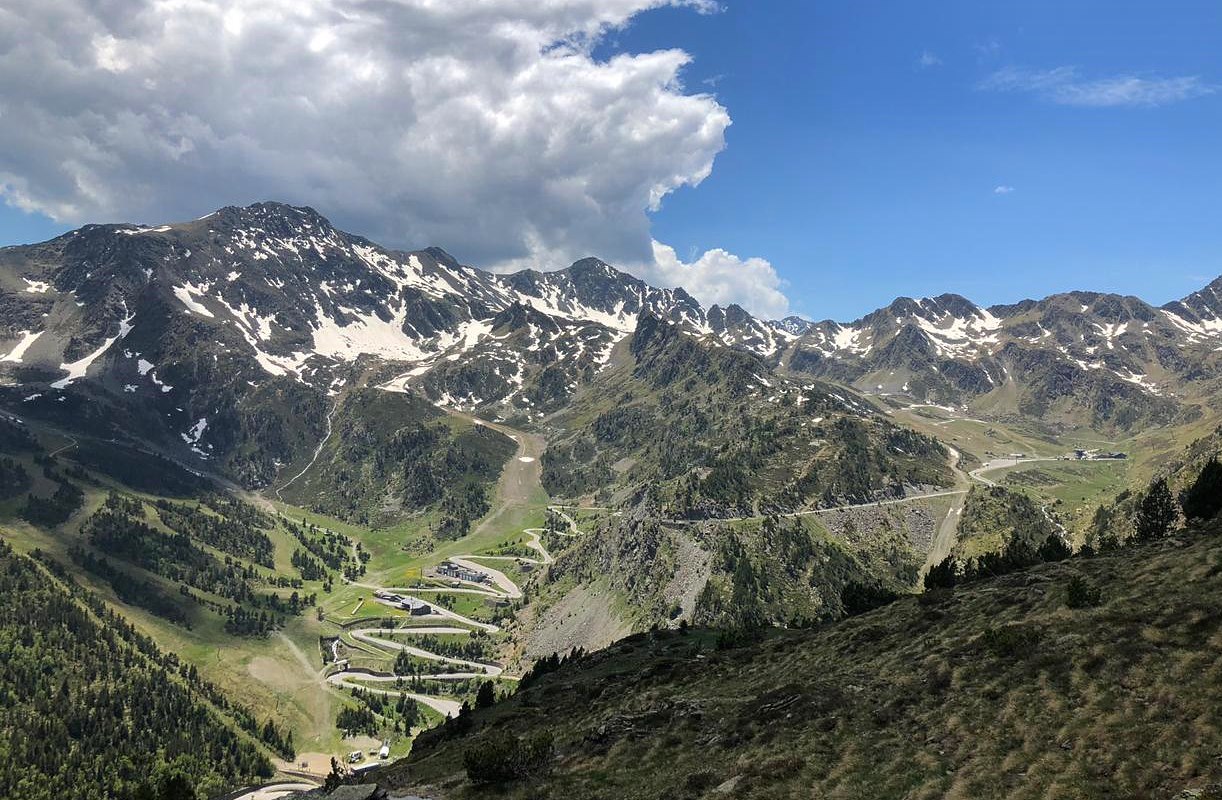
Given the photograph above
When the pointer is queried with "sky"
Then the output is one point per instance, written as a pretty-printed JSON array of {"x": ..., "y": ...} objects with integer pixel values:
[{"x": 818, "y": 158}]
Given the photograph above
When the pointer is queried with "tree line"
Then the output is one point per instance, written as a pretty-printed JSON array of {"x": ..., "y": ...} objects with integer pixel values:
[{"x": 90, "y": 709}]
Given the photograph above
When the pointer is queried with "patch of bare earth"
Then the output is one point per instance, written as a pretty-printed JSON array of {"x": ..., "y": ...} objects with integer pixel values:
[
  {"x": 585, "y": 617},
  {"x": 692, "y": 568}
]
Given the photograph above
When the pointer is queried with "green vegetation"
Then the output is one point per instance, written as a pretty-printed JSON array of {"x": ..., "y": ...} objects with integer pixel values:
[
  {"x": 502, "y": 757},
  {"x": 118, "y": 529},
  {"x": 138, "y": 470},
  {"x": 92, "y": 709},
  {"x": 243, "y": 538},
  {"x": 692, "y": 427},
  {"x": 790, "y": 571},
  {"x": 1178, "y": 475},
  {"x": 1080, "y": 594},
  {"x": 13, "y": 478},
  {"x": 1203, "y": 499},
  {"x": 392, "y": 454},
  {"x": 996, "y": 689},
  {"x": 995, "y": 519},
  {"x": 1156, "y": 512},
  {"x": 1070, "y": 489},
  {"x": 56, "y": 509}
]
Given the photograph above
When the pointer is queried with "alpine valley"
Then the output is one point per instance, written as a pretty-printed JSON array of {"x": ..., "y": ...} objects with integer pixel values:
[{"x": 321, "y": 496}]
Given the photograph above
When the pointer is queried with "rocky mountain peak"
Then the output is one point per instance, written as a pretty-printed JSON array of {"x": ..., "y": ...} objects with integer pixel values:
[{"x": 1200, "y": 313}]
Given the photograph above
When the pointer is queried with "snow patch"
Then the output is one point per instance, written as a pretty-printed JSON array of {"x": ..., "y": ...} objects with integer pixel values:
[
  {"x": 27, "y": 338},
  {"x": 196, "y": 432},
  {"x": 184, "y": 294},
  {"x": 77, "y": 369}
]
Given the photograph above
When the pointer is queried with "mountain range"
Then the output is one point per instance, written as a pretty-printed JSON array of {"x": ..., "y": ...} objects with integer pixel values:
[{"x": 221, "y": 340}]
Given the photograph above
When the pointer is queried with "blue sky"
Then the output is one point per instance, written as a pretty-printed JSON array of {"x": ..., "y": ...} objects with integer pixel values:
[
  {"x": 862, "y": 174},
  {"x": 878, "y": 149}
]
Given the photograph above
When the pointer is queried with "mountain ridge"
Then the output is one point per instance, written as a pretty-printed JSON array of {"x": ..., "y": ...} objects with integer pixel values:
[{"x": 251, "y": 318}]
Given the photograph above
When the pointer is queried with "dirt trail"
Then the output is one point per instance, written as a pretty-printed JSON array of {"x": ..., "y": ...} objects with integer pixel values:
[
  {"x": 521, "y": 478},
  {"x": 946, "y": 537}
]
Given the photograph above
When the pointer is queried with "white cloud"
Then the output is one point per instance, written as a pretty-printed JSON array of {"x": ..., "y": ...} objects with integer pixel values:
[
  {"x": 484, "y": 126},
  {"x": 1064, "y": 85},
  {"x": 722, "y": 278},
  {"x": 928, "y": 59},
  {"x": 1003, "y": 189}
]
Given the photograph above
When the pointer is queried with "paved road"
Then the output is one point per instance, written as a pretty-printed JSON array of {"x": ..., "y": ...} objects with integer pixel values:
[
  {"x": 373, "y": 637},
  {"x": 1002, "y": 463},
  {"x": 449, "y": 708},
  {"x": 812, "y": 511},
  {"x": 891, "y": 502},
  {"x": 508, "y": 587},
  {"x": 516, "y": 488},
  {"x": 275, "y": 790}
]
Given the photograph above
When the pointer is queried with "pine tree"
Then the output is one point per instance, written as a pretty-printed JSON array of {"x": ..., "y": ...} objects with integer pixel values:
[
  {"x": 1156, "y": 513},
  {"x": 1203, "y": 500},
  {"x": 941, "y": 575},
  {"x": 1054, "y": 549},
  {"x": 485, "y": 696}
]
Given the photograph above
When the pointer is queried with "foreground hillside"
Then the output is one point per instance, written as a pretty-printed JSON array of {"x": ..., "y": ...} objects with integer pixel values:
[{"x": 1016, "y": 687}]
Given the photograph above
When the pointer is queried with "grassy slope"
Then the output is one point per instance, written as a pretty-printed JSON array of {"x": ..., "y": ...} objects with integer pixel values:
[
  {"x": 278, "y": 676},
  {"x": 993, "y": 517},
  {"x": 392, "y": 455},
  {"x": 260, "y": 673},
  {"x": 912, "y": 700},
  {"x": 1073, "y": 490}
]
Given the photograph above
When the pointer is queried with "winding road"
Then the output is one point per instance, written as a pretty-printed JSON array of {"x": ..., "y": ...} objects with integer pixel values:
[
  {"x": 1002, "y": 463},
  {"x": 517, "y": 487}
]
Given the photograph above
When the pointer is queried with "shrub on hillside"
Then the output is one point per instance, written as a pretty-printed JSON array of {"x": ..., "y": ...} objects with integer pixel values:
[
  {"x": 13, "y": 478},
  {"x": 858, "y": 598},
  {"x": 942, "y": 575},
  {"x": 1054, "y": 549},
  {"x": 486, "y": 695},
  {"x": 1203, "y": 500},
  {"x": 501, "y": 757},
  {"x": 935, "y": 596},
  {"x": 1080, "y": 594},
  {"x": 1010, "y": 640}
]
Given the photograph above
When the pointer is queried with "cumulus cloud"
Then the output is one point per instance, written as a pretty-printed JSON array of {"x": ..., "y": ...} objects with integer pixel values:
[
  {"x": 722, "y": 278},
  {"x": 1065, "y": 86},
  {"x": 928, "y": 59},
  {"x": 1003, "y": 189},
  {"x": 484, "y": 126}
]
